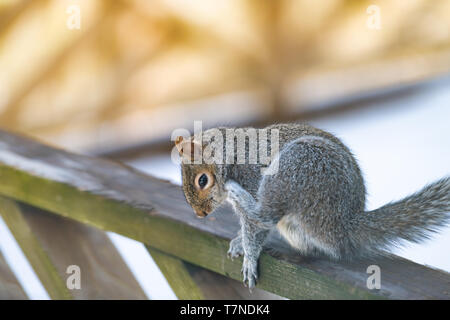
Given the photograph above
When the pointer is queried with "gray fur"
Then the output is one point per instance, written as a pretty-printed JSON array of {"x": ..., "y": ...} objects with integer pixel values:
[{"x": 316, "y": 200}]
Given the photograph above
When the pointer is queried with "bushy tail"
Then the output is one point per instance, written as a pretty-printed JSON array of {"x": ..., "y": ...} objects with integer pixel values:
[{"x": 413, "y": 219}]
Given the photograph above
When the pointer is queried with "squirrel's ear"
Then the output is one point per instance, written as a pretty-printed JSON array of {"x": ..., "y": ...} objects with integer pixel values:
[
  {"x": 188, "y": 148},
  {"x": 178, "y": 142}
]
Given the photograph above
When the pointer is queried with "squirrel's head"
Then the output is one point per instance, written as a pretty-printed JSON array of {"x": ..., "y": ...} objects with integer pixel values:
[{"x": 203, "y": 184}]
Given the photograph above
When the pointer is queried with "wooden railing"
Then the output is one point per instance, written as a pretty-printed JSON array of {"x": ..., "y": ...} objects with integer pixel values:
[{"x": 51, "y": 200}]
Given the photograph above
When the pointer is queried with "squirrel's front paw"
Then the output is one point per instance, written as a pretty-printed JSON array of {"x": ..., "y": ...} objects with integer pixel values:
[
  {"x": 250, "y": 272},
  {"x": 234, "y": 190},
  {"x": 236, "y": 250},
  {"x": 238, "y": 196}
]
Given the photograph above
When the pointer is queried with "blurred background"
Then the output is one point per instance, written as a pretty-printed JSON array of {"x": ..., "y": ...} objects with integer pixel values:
[{"x": 115, "y": 78}]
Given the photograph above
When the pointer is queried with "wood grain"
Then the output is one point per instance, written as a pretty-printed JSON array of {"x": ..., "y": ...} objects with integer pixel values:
[
  {"x": 35, "y": 253},
  {"x": 112, "y": 196},
  {"x": 191, "y": 282},
  {"x": 176, "y": 275},
  {"x": 64, "y": 242},
  {"x": 218, "y": 287}
]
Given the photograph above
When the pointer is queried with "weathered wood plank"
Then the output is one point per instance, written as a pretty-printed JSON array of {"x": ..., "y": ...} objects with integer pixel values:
[
  {"x": 10, "y": 289},
  {"x": 65, "y": 242},
  {"x": 192, "y": 282},
  {"x": 218, "y": 287},
  {"x": 176, "y": 275},
  {"x": 114, "y": 197},
  {"x": 36, "y": 255},
  {"x": 104, "y": 274}
]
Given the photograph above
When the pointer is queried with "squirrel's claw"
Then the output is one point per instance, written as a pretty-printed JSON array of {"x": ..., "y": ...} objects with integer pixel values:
[
  {"x": 250, "y": 273},
  {"x": 232, "y": 255},
  {"x": 235, "y": 250}
]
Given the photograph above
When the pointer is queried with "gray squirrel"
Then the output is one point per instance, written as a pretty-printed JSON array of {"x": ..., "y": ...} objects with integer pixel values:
[{"x": 316, "y": 198}]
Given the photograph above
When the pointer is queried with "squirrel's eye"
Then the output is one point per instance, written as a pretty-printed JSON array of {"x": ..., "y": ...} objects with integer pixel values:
[{"x": 203, "y": 180}]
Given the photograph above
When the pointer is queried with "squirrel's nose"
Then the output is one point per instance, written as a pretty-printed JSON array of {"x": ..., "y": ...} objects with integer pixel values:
[{"x": 200, "y": 214}]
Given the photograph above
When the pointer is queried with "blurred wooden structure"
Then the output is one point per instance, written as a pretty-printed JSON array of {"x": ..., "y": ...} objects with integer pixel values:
[
  {"x": 52, "y": 199},
  {"x": 136, "y": 70}
]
